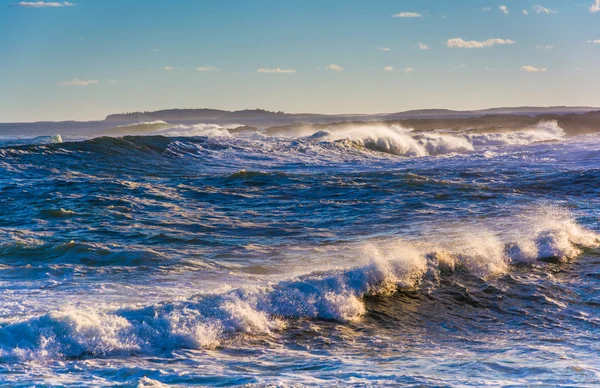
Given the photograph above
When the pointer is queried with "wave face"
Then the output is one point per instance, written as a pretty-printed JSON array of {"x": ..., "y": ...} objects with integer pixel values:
[
  {"x": 337, "y": 294},
  {"x": 404, "y": 142},
  {"x": 182, "y": 254}
]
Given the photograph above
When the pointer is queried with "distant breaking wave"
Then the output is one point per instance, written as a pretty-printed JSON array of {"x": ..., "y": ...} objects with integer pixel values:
[
  {"x": 404, "y": 142},
  {"x": 192, "y": 139},
  {"x": 163, "y": 128},
  {"x": 205, "y": 321}
]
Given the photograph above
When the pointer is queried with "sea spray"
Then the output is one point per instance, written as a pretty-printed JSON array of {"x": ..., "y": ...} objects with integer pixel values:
[
  {"x": 205, "y": 321},
  {"x": 406, "y": 142}
]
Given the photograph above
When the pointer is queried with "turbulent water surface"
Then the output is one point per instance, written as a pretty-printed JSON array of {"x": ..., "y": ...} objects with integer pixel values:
[{"x": 157, "y": 254}]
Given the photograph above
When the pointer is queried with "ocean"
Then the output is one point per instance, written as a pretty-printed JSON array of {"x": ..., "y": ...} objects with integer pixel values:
[{"x": 169, "y": 254}]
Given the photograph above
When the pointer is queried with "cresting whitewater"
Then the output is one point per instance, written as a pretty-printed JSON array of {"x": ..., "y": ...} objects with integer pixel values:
[{"x": 191, "y": 254}]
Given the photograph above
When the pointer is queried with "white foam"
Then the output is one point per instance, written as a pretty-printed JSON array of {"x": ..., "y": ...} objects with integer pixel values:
[
  {"x": 146, "y": 382},
  {"x": 206, "y": 320},
  {"x": 488, "y": 248},
  {"x": 211, "y": 130},
  {"x": 379, "y": 268},
  {"x": 555, "y": 234},
  {"x": 405, "y": 142}
]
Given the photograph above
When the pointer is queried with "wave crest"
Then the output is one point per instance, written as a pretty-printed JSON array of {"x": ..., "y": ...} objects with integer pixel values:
[
  {"x": 400, "y": 141},
  {"x": 334, "y": 294}
]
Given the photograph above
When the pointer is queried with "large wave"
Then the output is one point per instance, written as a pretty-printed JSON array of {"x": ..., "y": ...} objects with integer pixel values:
[
  {"x": 405, "y": 142},
  {"x": 381, "y": 268},
  {"x": 372, "y": 140}
]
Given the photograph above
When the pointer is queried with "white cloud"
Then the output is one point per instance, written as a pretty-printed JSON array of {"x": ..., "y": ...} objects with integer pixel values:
[
  {"x": 461, "y": 66},
  {"x": 275, "y": 70},
  {"x": 335, "y": 68},
  {"x": 486, "y": 9},
  {"x": 525, "y": 12},
  {"x": 532, "y": 69},
  {"x": 79, "y": 82},
  {"x": 407, "y": 15},
  {"x": 596, "y": 41},
  {"x": 595, "y": 7},
  {"x": 423, "y": 46},
  {"x": 208, "y": 68},
  {"x": 383, "y": 48},
  {"x": 459, "y": 43},
  {"x": 168, "y": 68},
  {"x": 408, "y": 70},
  {"x": 504, "y": 8},
  {"x": 540, "y": 9},
  {"x": 545, "y": 47},
  {"x": 155, "y": 50},
  {"x": 112, "y": 81},
  {"x": 388, "y": 68},
  {"x": 42, "y": 4}
]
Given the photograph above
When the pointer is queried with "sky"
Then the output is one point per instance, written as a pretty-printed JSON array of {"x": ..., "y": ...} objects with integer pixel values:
[{"x": 85, "y": 59}]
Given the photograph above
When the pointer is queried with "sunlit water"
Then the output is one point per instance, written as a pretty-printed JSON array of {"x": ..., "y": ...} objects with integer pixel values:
[{"x": 354, "y": 258}]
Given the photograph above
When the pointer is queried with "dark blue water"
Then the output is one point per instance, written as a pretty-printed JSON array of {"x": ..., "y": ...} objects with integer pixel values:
[{"x": 363, "y": 257}]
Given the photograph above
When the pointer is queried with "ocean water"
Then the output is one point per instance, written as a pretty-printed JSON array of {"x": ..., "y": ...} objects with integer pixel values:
[{"x": 166, "y": 255}]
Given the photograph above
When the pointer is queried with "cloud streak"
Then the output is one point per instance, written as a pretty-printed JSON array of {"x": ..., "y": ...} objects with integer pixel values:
[
  {"x": 423, "y": 46},
  {"x": 407, "y": 15},
  {"x": 79, "y": 82},
  {"x": 540, "y": 9},
  {"x": 460, "y": 43},
  {"x": 388, "y": 68},
  {"x": 275, "y": 70},
  {"x": 532, "y": 69},
  {"x": 42, "y": 4},
  {"x": 335, "y": 67},
  {"x": 208, "y": 68}
]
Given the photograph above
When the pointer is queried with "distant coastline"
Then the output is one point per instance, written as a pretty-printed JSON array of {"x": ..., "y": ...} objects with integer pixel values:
[
  {"x": 216, "y": 114},
  {"x": 574, "y": 120}
]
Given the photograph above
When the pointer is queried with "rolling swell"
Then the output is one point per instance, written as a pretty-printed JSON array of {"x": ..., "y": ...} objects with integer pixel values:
[
  {"x": 182, "y": 142},
  {"x": 339, "y": 294},
  {"x": 246, "y": 256},
  {"x": 90, "y": 254},
  {"x": 102, "y": 146}
]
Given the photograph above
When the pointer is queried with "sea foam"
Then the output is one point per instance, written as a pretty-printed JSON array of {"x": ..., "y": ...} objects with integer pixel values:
[
  {"x": 401, "y": 141},
  {"x": 205, "y": 321}
]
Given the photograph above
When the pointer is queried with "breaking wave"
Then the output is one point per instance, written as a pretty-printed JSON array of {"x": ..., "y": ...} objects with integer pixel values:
[
  {"x": 182, "y": 140},
  {"x": 404, "y": 142},
  {"x": 163, "y": 128},
  {"x": 338, "y": 294}
]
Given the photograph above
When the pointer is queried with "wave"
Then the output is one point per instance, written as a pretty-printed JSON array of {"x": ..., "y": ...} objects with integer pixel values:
[
  {"x": 22, "y": 252},
  {"x": 382, "y": 268},
  {"x": 19, "y": 141},
  {"x": 165, "y": 129},
  {"x": 137, "y": 128},
  {"x": 404, "y": 142},
  {"x": 183, "y": 140},
  {"x": 209, "y": 130}
]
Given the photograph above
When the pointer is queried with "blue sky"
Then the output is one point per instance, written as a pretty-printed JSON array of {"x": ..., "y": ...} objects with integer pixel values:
[{"x": 88, "y": 58}]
